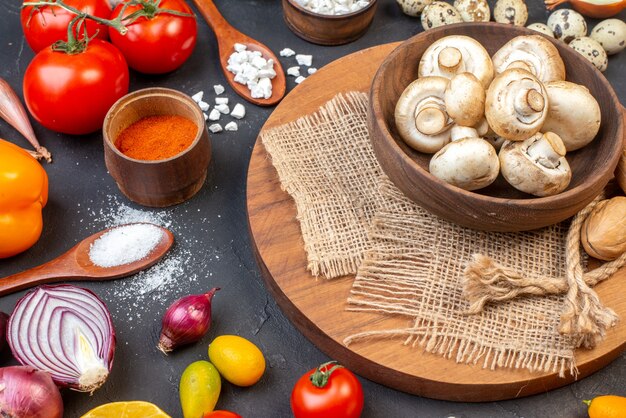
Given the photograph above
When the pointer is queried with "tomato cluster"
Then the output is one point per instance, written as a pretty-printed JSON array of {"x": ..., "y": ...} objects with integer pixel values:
[{"x": 70, "y": 84}]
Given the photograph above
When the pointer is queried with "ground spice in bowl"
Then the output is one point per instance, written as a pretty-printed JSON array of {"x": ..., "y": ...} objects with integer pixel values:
[{"x": 157, "y": 137}]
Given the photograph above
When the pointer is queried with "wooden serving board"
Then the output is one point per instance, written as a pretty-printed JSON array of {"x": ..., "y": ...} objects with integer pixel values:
[{"x": 317, "y": 307}]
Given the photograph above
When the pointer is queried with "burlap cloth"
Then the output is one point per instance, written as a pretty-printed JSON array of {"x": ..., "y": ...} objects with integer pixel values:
[{"x": 409, "y": 262}]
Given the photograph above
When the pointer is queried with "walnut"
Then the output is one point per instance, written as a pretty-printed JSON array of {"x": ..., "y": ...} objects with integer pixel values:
[{"x": 603, "y": 234}]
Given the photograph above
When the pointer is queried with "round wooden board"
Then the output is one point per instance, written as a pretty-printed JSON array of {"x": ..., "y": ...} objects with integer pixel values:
[{"x": 317, "y": 307}]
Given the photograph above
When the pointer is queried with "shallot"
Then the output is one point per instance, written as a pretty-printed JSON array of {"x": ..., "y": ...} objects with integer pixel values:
[
  {"x": 28, "y": 393},
  {"x": 66, "y": 331},
  {"x": 186, "y": 321}
]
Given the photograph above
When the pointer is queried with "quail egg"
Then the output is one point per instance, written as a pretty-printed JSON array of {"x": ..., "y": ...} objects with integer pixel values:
[
  {"x": 513, "y": 12},
  {"x": 541, "y": 28},
  {"x": 439, "y": 13},
  {"x": 473, "y": 10},
  {"x": 611, "y": 34},
  {"x": 413, "y": 7},
  {"x": 567, "y": 24},
  {"x": 592, "y": 50}
]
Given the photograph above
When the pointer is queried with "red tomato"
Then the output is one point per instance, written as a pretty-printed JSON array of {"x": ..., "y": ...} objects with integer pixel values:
[
  {"x": 221, "y": 414},
  {"x": 48, "y": 24},
  {"x": 159, "y": 44},
  {"x": 330, "y": 391},
  {"x": 72, "y": 93}
]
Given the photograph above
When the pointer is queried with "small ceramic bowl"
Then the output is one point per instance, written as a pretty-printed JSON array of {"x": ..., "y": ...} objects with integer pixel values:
[
  {"x": 156, "y": 183},
  {"x": 328, "y": 29},
  {"x": 498, "y": 207}
]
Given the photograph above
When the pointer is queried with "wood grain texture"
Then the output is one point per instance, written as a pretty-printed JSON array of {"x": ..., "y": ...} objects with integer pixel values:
[
  {"x": 328, "y": 29},
  {"x": 76, "y": 265},
  {"x": 157, "y": 183},
  {"x": 317, "y": 307},
  {"x": 498, "y": 207},
  {"x": 227, "y": 36}
]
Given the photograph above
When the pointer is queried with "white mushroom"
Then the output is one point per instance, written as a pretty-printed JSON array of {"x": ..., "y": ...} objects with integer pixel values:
[
  {"x": 457, "y": 54},
  {"x": 468, "y": 162},
  {"x": 532, "y": 53},
  {"x": 439, "y": 13},
  {"x": 413, "y": 7},
  {"x": 537, "y": 165},
  {"x": 573, "y": 114},
  {"x": 473, "y": 10},
  {"x": 421, "y": 117},
  {"x": 592, "y": 50},
  {"x": 567, "y": 24},
  {"x": 512, "y": 12},
  {"x": 516, "y": 105},
  {"x": 541, "y": 28},
  {"x": 465, "y": 99},
  {"x": 611, "y": 34}
]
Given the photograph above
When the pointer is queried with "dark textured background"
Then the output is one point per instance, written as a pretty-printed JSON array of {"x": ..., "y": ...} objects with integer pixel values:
[{"x": 211, "y": 230}]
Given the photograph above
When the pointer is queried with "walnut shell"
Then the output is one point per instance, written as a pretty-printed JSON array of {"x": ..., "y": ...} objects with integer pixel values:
[
  {"x": 603, "y": 233},
  {"x": 620, "y": 173}
]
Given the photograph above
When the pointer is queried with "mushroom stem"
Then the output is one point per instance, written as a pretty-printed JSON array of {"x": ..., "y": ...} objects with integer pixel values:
[
  {"x": 449, "y": 60},
  {"x": 547, "y": 150},
  {"x": 431, "y": 118},
  {"x": 529, "y": 101}
]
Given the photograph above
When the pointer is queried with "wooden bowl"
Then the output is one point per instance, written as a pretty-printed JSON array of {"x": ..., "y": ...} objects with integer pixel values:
[
  {"x": 328, "y": 29},
  {"x": 157, "y": 183},
  {"x": 498, "y": 207}
]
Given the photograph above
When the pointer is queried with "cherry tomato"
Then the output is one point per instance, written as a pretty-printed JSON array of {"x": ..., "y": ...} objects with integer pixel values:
[
  {"x": 158, "y": 44},
  {"x": 45, "y": 25},
  {"x": 221, "y": 414},
  {"x": 330, "y": 391},
  {"x": 72, "y": 93}
]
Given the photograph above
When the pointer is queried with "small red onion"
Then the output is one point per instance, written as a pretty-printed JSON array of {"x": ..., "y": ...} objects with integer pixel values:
[
  {"x": 28, "y": 393},
  {"x": 4, "y": 318},
  {"x": 186, "y": 321},
  {"x": 66, "y": 331}
]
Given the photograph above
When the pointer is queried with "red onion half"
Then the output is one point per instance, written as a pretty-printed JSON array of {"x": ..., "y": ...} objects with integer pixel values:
[
  {"x": 28, "y": 393},
  {"x": 66, "y": 331}
]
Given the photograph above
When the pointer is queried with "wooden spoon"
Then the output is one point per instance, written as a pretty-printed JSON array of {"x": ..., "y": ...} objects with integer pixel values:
[
  {"x": 76, "y": 265},
  {"x": 227, "y": 37}
]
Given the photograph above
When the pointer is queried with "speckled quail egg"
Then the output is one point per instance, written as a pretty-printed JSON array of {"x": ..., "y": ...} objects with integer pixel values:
[
  {"x": 512, "y": 12},
  {"x": 541, "y": 28},
  {"x": 413, "y": 7},
  {"x": 611, "y": 34},
  {"x": 439, "y": 13},
  {"x": 473, "y": 10},
  {"x": 592, "y": 50},
  {"x": 567, "y": 25}
]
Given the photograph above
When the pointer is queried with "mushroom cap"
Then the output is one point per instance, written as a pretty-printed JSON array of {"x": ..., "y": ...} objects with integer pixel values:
[
  {"x": 535, "y": 172},
  {"x": 533, "y": 53},
  {"x": 468, "y": 163},
  {"x": 439, "y": 13},
  {"x": 567, "y": 25},
  {"x": 413, "y": 7},
  {"x": 457, "y": 54},
  {"x": 512, "y": 12},
  {"x": 421, "y": 103},
  {"x": 473, "y": 10},
  {"x": 516, "y": 105},
  {"x": 465, "y": 99},
  {"x": 573, "y": 114},
  {"x": 541, "y": 28},
  {"x": 611, "y": 34},
  {"x": 592, "y": 50}
]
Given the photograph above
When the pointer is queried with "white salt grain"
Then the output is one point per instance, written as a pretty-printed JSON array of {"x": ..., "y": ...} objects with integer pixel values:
[
  {"x": 221, "y": 100},
  {"x": 304, "y": 59},
  {"x": 125, "y": 245},
  {"x": 293, "y": 71},
  {"x": 287, "y": 52},
  {"x": 251, "y": 69},
  {"x": 222, "y": 108},
  {"x": 219, "y": 89},
  {"x": 197, "y": 97},
  {"x": 300, "y": 79},
  {"x": 215, "y": 128},
  {"x": 231, "y": 126},
  {"x": 206, "y": 117},
  {"x": 214, "y": 115},
  {"x": 311, "y": 70},
  {"x": 203, "y": 105},
  {"x": 238, "y": 111}
]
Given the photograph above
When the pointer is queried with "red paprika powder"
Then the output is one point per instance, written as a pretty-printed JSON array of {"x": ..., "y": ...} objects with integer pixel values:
[{"x": 157, "y": 137}]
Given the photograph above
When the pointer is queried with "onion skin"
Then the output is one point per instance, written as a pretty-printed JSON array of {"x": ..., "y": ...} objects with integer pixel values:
[
  {"x": 186, "y": 321},
  {"x": 28, "y": 393},
  {"x": 4, "y": 318}
]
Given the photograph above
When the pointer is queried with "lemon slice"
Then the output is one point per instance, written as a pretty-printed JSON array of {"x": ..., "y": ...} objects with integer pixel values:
[{"x": 134, "y": 409}]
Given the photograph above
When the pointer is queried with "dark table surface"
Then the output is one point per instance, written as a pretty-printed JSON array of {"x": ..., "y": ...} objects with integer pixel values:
[{"x": 213, "y": 246}]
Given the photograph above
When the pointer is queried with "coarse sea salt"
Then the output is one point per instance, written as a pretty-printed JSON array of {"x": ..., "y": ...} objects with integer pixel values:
[
  {"x": 231, "y": 126},
  {"x": 304, "y": 59},
  {"x": 239, "y": 111},
  {"x": 215, "y": 128},
  {"x": 219, "y": 89},
  {"x": 333, "y": 7},
  {"x": 125, "y": 244},
  {"x": 287, "y": 52},
  {"x": 293, "y": 71},
  {"x": 300, "y": 79},
  {"x": 252, "y": 70}
]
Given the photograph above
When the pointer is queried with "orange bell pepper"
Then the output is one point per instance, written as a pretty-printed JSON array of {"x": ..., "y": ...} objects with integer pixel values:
[{"x": 23, "y": 194}]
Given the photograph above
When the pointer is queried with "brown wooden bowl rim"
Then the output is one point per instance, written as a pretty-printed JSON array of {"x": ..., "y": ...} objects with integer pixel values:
[
  {"x": 151, "y": 92},
  {"x": 295, "y": 5},
  {"x": 380, "y": 121}
]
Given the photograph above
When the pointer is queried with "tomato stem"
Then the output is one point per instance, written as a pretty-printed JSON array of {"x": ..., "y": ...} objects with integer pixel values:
[
  {"x": 587, "y": 402},
  {"x": 321, "y": 375}
]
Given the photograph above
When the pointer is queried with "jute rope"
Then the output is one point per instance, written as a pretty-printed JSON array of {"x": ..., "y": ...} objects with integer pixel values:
[{"x": 583, "y": 316}]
